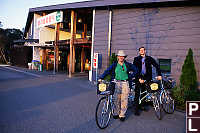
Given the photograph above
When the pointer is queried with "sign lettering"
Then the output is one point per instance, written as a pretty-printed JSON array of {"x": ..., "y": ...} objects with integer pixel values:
[{"x": 49, "y": 19}]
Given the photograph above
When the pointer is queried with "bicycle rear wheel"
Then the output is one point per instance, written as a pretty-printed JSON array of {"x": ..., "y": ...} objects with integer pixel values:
[
  {"x": 157, "y": 106},
  {"x": 167, "y": 102},
  {"x": 103, "y": 113}
]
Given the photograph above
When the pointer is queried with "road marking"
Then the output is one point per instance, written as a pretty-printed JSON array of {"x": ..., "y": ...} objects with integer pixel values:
[{"x": 28, "y": 73}]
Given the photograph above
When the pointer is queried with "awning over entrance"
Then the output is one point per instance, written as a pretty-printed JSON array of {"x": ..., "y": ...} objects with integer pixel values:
[
  {"x": 35, "y": 42},
  {"x": 67, "y": 42},
  {"x": 26, "y": 40}
]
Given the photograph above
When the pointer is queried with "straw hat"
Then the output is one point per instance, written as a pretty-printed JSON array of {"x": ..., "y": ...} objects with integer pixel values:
[{"x": 121, "y": 53}]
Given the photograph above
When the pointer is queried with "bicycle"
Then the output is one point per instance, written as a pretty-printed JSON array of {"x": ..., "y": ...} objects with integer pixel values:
[
  {"x": 106, "y": 106},
  {"x": 151, "y": 93},
  {"x": 166, "y": 100}
]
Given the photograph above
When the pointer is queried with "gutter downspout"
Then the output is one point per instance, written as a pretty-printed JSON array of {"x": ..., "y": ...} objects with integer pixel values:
[
  {"x": 109, "y": 35},
  {"x": 92, "y": 48}
]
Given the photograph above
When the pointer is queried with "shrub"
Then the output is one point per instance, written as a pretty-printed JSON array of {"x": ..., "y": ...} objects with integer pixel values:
[
  {"x": 178, "y": 96},
  {"x": 112, "y": 59},
  {"x": 187, "y": 91}
]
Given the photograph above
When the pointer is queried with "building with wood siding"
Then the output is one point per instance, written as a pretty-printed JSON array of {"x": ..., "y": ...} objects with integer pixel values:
[{"x": 166, "y": 28}]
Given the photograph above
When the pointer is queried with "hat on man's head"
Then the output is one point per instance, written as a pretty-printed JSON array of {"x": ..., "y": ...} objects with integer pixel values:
[{"x": 121, "y": 53}]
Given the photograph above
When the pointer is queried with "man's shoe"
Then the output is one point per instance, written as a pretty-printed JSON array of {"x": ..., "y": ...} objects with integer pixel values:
[
  {"x": 115, "y": 116},
  {"x": 137, "y": 113},
  {"x": 144, "y": 108},
  {"x": 122, "y": 118}
]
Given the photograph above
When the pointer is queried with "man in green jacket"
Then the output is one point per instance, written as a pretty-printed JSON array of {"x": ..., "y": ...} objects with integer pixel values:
[{"x": 123, "y": 72}]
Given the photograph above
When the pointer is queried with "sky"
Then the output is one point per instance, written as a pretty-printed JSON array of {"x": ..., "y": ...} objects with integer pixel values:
[{"x": 14, "y": 13}]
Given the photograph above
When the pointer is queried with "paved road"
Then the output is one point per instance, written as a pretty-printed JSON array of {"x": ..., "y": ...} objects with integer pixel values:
[{"x": 32, "y": 102}]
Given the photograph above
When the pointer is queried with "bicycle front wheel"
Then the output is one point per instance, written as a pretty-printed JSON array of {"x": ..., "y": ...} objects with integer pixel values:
[
  {"x": 157, "y": 106},
  {"x": 167, "y": 102},
  {"x": 103, "y": 113}
]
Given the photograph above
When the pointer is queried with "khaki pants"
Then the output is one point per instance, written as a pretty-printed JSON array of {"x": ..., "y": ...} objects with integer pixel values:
[{"x": 121, "y": 97}]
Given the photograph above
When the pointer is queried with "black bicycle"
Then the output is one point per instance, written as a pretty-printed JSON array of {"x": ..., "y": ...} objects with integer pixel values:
[
  {"x": 152, "y": 94},
  {"x": 166, "y": 100},
  {"x": 156, "y": 91}
]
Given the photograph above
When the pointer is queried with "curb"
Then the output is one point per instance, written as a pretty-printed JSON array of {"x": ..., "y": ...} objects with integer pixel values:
[
  {"x": 22, "y": 71},
  {"x": 181, "y": 111}
]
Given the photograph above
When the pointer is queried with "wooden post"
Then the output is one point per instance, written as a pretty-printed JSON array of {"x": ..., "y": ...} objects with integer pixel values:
[
  {"x": 73, "y": 59},
  {"x": 82, "y": 59},
  {"x": 84, "y": 34},
  {"x": 44, "y": 58},
  {"x": 44, "y": 54},
  {"x": 74, "y": 48},
  {"x": 56, "y": 49},
  {"x": 73, "y": 33}
]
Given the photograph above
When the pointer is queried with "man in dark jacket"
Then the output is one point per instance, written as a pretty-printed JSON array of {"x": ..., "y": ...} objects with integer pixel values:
[
  {"x": 122, "y": 72},
  {"x": 144, "y": 64}
]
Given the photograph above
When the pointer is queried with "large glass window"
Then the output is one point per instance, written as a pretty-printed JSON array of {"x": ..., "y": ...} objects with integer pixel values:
[{"x": 165, "y": 65}]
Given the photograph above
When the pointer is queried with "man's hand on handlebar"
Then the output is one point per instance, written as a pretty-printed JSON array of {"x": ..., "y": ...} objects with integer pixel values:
[
  {"x": 159, "y": 78},
  {"x": 141, "y": 81},
  {"x": 100, "y": 80}
]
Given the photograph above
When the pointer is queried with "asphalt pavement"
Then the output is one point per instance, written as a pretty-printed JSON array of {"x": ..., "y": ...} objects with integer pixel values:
[{"x": 41, "y": 102}]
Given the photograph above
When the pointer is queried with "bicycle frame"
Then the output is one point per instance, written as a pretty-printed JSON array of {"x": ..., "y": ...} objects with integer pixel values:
[
  {"x": 141, "y": 99},
  {"x": 146, "y": 95},
  {"x": 161, "y": 92}
]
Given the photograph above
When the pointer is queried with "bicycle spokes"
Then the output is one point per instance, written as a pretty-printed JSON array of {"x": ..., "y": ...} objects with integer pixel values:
[
  {"x": 157, "y": 107},
  {"x": 103, "y": 113},
  {"x": 167, "y": 102}
]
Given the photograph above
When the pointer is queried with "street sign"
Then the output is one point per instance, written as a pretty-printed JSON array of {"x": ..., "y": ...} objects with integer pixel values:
[
  {"x": 95, "y": 60},
  {"x": 49, "y": 19}
]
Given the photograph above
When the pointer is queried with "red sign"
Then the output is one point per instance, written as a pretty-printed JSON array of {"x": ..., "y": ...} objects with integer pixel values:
[
  {"x": 95, "y": 60},
  {"x": 192, "y": 116}
]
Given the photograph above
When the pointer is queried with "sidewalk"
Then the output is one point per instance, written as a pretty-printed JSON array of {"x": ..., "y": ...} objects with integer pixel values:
[{"x": 42, "y": 73}]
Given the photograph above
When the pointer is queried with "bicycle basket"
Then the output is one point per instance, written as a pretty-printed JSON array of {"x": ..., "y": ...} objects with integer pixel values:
[
  {"x": 103, "y": 87},
  {"x": 152, "y": 86}
]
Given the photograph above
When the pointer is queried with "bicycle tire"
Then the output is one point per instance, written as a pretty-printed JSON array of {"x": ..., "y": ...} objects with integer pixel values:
[
  {"x": 157, "y": 107},
  {"x": 105, "y": 111},
  {"x": 167, "y": 102}
]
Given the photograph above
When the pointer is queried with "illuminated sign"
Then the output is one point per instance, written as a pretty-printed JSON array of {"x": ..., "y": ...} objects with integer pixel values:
[{"x": 49, "y": 19}]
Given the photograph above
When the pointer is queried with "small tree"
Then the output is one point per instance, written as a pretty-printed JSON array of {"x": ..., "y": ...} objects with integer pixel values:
[
  {"x": 187, "y": 91},
  {"x": 188, "y": 79},
  {"x": 1, "y": 25},
  {"x": 113, "y": 58}
]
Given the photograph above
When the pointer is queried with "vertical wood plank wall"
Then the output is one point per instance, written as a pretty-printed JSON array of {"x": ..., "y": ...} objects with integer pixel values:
[
  {"x": 166, "y": 32},
  {"x": 101, "y": 36}
]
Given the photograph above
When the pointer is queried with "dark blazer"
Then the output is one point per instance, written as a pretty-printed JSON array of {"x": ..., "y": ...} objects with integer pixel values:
[
  {"x": 149, "y": 61},
  {"x": 132, "y": 71}
]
